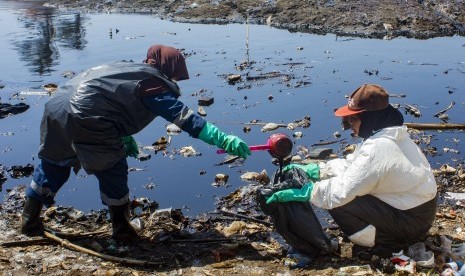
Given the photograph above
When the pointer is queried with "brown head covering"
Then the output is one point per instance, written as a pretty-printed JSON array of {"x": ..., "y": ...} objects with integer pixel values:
[
  {"x": 368, "y": 97},
  {"x": 168, "y": 60}
]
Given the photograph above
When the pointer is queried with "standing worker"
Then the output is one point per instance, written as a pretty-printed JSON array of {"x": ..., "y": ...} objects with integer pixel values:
[
  {"x": 89, "y": 123},
  {"x": 383, "y": 196}
]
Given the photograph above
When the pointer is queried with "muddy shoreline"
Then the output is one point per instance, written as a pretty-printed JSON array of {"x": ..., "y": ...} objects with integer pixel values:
[{"x": 370, "y": 19}]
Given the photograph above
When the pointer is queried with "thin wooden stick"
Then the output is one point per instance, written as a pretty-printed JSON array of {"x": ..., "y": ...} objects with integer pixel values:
[
  {"x": 327, "y": 143},
  {"x": 26, "y": 242},
  {"x": 71, "y": 245},
  {"x": 76, "y": 235},
  {"x": 201, "y": 240},
  {"x": 266, "y": 223},
  {"x": 433, "y": 126}
]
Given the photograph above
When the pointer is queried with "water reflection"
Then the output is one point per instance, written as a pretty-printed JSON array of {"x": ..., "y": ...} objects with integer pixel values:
[{"x": 48, "y": 31}]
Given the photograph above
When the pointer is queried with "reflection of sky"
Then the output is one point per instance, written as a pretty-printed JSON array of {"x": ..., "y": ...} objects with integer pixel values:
[
  {"x": 334, "y": 67},
  {"x": 45, "y": 33}
]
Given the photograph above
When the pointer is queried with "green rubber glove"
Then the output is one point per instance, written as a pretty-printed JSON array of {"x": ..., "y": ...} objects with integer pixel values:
[
  {"x": 131, "y": 146},
  {"x": 303, "y": 194},
  {"x": 312, "y": 170},
  {"x": 210, "y": 134}
]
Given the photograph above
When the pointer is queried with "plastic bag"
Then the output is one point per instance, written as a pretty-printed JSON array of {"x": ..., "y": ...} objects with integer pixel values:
[{"x": 296, "y": 222}]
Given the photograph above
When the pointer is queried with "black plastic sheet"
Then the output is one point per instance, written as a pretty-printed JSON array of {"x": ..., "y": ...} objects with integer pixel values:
[{"x": 296, "y": 222}]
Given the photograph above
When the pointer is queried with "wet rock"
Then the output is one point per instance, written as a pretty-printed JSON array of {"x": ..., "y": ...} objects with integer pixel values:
[{"x": 206, "y": 101}]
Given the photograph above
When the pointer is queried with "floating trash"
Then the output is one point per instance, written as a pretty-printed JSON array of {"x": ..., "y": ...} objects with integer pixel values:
[
  {"x": 201, "y": 111},
  {"x": 444, "y": 117},
  {"x": 233, "y": 78},
  {"x": 412, "y": 110},
  {"x": 143, "y": 157},
  {"x": 160, "y": 144},
  {"x": 298, "y": 134},
  {"x": 269, "y": 127},
  {"x": 304, "y": 123},
  {"x": 50, "y": 87},
  {"x": 34, "y": 93},
  {"x": 172, "y": 128},
  {"x": 451, "y": 150},
  {"x": 220, "y": 180},
  {"x": 68, "y": 74},
  {"x": 261, "y": 177},
  {"x": 149, "y": 186},
  {"x": 188, "y": 151}
]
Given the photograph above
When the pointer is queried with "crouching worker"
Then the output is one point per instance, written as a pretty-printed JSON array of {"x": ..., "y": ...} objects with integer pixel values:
[
  {"x": 89, "y": 123},
  {"x": 383, "y": 196}
]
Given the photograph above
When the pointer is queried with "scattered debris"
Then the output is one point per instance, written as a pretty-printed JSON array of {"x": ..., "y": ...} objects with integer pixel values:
[
  {"x": 220, "y": 180},
  {"x": 12, "y": 109},
  {"x": 21, "y": 171},
  {"x": 412, "y": 110}
]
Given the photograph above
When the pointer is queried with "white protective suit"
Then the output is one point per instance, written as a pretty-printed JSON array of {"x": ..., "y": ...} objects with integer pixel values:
[{"x": 387, "y": 165}]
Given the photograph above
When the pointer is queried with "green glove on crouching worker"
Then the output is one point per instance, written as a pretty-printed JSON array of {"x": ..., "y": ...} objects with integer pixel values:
[
  {"x": 303, "y": 194},
  {"x": 312, "y": 170},
  {"x": 131, "y": 146},
  {"x": 210, "y": 134}
]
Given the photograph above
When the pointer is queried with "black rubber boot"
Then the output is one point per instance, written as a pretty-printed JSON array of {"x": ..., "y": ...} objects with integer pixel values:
[
  {"x": 31, "y": 224},
  {"x": 122, "y": 229}
]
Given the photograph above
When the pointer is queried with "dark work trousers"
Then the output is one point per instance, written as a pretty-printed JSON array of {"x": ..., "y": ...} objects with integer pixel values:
[
  {"x": 394, "y": 228},
  {"x": 48, "y": 178}
]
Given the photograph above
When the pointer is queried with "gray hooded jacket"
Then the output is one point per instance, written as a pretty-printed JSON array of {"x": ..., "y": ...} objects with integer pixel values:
[{"x": 86, "y": 118}]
